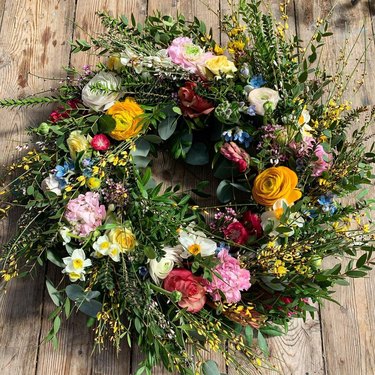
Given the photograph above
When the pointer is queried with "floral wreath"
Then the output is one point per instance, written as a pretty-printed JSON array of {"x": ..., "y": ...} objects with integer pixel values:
[{"x": 138, "y": 256}]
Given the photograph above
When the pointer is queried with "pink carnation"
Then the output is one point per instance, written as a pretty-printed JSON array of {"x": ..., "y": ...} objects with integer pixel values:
[
  {"x": 188, "y": 55},
  {"x": 233, "y": 279},
  {"x": 323, "y": 163},
  {"x": 84, "y": 213}
]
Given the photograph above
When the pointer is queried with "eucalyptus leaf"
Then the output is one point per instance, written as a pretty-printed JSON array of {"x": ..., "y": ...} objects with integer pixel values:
[
  {"x": 224, "y": 191},
  {"x": 167, "y": 127},
  {"x": 75, "y": 292},
  {"x": 198, "y": 154},
  {"x": 90, "y": 308},
  {"x": 210, "y": 368}
]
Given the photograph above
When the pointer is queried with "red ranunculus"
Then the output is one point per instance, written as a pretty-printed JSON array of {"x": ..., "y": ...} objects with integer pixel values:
[
  {"x": 252, "y": 223},
  {"x": 236, "y": 232},
  {"x": 192, "y": 104},
  {"x": 190, "y": 286},
  {"x": 100, "y": 142}
]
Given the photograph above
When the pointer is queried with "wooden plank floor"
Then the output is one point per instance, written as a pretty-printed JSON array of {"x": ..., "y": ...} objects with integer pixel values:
[{"x": 33, "y": 41}]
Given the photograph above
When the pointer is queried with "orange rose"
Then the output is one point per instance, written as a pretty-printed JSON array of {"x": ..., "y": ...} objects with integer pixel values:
[
  {"x": 276, "y": 183},
  {"x": 127, "y": 117}
]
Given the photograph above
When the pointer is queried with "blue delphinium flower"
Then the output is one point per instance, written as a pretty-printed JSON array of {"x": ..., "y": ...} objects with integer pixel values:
[
  {"x": 251, "y": 110},
  {"x": 222, "y": 246},
  {"x": 257, "y": 81},
  {"x": 327, "y": 203},
  {"x": 143, "y": 271},
  {"x": 238, "y": 135},
  {"x": 87, "y": 164},
  {"x": 63, "y": 172}
]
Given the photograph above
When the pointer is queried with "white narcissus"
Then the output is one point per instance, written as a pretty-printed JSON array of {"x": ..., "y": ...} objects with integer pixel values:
[
  {"x": 196, "y": 242},
  {"x": 104, "y": 247},
  {"x": 101, "y": 91},
  {"x": 51, "y": 183},
  {"x": 76, "y": 264},
  {"x": 261, "y": 96},
  {"x": 159, "y": 270}
]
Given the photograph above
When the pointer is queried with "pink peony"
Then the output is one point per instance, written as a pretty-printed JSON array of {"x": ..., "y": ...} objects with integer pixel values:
[
  {"x": 188, "y": 55},
  {"x": 100, "y": 142},
  {"x": 232, "y": 279},
  {"x": 323, "y": 163},
  {"x": 84, "y": 213}
]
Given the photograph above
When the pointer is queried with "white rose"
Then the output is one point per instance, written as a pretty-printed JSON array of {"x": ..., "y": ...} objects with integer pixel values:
[
  {"x": 51, "y": 183},
  {"x": 160, "y": 270},
  {"x": 101, "y": 100},
  {"x": 259, "y": 97}
]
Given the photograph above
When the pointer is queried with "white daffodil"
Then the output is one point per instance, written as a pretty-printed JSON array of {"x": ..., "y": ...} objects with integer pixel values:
[
  {"x": 65, "y": 235},
  {"x": 262, "y": 96},
  {"x": 76, "y": 264},
  {"x": 101, "y": 246},
  {"x": 51, "y": 183},
  {"x": 303, "y": 122},
  {"x": 114, "y": 252},
  {"x": 195, "y": 242},
  {"x": 159, "y": 270},
  {"x": 273, "y": 217}
]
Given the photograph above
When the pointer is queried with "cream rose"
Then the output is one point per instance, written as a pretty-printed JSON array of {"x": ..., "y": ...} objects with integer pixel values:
[
  {"x": 259, "y": 97},
  {"x": 77, "y": 142},
  {"x": 101, "y": 91}
]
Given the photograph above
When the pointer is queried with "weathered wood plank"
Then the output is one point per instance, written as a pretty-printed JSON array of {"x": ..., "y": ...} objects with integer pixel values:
[
  {"x": 348, "y": 330},
  {"x": 32, "y": 40}
]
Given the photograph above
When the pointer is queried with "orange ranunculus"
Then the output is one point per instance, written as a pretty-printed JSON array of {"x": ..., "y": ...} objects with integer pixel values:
[
  {"x": 127, "y": 117},
  {"x": 276, "y": 183}
]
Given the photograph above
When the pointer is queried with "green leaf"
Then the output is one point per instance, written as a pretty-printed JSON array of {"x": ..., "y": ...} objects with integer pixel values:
[
  {"x": 249, "y": 334},
  {"x": 53, "y": 258},
  {"x": 56, "y": 324},
  {"x": 361, "y": 261},
  {"x": 262, "y": 343},
  {"x": 149, "y": 252},
  {"x": 356, "y": 274},
  {"x": 30, "y": 190},
  {"x": 198, "y": 154},
  {"x": 142, "y": 148},
  {"x": 167, "y": 127},
  {"x": 106, "y": 124},
  {"x": 75, "y": 292},
  {"x": 53, "y": 293},
  {"x": 224, "y": 191},
  {"x": 210, "y": 368},
  {"x": 90, "y": 308}
]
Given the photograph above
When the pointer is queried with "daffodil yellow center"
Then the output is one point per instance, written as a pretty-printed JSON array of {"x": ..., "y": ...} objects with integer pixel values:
[
  {"x": 104, "y": 245},
  {"x": 77, "y": 263},
  {"x": 194, "y": 249}
]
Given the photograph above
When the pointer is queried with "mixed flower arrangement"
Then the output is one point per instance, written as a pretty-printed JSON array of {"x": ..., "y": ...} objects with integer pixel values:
[{"x": 143, "y": 260}]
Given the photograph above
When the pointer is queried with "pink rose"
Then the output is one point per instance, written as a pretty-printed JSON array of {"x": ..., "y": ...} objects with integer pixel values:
[
  {"x": 252, "y": 223},
  {"x": 190, "y": 286},
  {"x": 323, "y": 163},
  {"x": 192, "y": 104},
  {"x": 232, "y": 279},
  {"x": 236, "y": 232}
]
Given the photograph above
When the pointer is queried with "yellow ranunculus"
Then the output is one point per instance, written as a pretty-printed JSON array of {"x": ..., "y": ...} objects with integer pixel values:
[
  {"x": 276, "y": 183},
  {"x": 127, "y": 117},
  {"x": 123, "y": 237},
  {"x": 220, "y": 65},
  {"x": 77, "y": 142}
]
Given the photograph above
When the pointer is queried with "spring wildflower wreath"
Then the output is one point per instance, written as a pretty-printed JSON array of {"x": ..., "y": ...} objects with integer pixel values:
[{"x": 143, "y": 260}]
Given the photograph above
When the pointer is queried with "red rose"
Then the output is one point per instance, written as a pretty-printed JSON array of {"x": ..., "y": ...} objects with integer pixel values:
[
  {"x": 61, "y": 112},
  {"x": 236, "y": 232},
  {"x": 192, "y": 104},
  {"x": 252, "y": 223},
  {"x": 100, "y": 142},
  {"x": 190, "y": 286}
]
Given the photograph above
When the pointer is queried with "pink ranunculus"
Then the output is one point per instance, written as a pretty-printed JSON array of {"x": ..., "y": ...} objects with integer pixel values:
[
  {"x": 236, "y": 232},
  {"x": 233, "y": 279},
  {"x": 85, "y": 213},
  {"x": 188, "y": 55},
  {"x": 323, "y": 162},
  {"x": 252, "y": 223},
  {"x": 100, "y": 142},
  {"x": 236, "y": 154},
  {"x": 190, "y": 286}
]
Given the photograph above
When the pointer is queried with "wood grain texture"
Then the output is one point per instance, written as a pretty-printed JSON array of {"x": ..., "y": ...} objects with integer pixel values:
[
  {"x": 33, "y": 40},
  {"x": 348, "y": 330}
]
